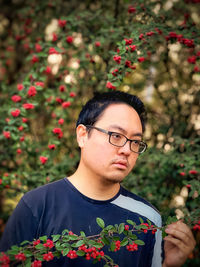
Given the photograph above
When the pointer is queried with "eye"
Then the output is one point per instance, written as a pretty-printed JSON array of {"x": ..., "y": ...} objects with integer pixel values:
[
  {"x": 116, "y": 136},
  {"x": 136, "y": 142}
]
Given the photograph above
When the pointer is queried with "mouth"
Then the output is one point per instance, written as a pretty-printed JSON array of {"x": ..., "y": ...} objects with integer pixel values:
[{"x": 121, "y": 164}]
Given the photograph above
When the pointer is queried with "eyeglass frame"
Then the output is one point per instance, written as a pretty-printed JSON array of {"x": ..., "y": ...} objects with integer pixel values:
[{"x": 110, "y": 134}]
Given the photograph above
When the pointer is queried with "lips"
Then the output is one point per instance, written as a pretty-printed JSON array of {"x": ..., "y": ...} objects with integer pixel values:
[{"x": 122, "y": 164}]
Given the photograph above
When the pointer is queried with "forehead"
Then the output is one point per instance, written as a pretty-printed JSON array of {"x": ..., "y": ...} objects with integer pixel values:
[{"x": 122, "y": 115}]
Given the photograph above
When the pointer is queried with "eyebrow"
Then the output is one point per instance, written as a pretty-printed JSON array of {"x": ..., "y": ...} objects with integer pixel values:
[{"x": 123, "y": 130}]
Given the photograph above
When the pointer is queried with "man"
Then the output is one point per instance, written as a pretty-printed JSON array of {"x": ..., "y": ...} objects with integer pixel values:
[{"x": 109, "y": 133}]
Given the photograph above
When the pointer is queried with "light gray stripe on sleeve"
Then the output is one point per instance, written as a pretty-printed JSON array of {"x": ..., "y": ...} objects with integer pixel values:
[
  {"x": 148, "y": 212},
  {"x": 157, "y": 258},
  {"x": 138, "y": 207}
]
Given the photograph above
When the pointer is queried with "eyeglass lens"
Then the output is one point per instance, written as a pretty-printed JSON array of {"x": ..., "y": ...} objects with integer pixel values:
[{"x": 120, "y": 140}]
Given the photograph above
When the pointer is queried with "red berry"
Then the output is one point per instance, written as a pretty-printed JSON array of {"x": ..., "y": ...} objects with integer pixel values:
[{"x": 126, "y": 227}]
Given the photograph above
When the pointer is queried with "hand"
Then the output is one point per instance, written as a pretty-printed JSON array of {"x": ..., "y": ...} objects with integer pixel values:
[{"x": 179, "y": 243}]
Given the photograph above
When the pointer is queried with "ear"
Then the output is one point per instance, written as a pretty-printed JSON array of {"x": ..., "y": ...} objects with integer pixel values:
[{"x": 81, "y": 135}]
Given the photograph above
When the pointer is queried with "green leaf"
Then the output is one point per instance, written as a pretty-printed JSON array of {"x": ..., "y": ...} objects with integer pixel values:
[
  {"x": 11, "y": 122},
  {"x": 28, "y": 263},
  {"x": 65, "y": 245},
  {"x": 39, "y": 257},
  {"x": 143, "y": 226},
  {"x": 14, "y": 136},
  {"x": 57, "y": 254},
  {"x": 112, "y": 246},
  {"x": 91, "y": 242},
  {"x": 171, "y": 219},
  {"x": 55, "y": 237},
  {"x": 132, "y": 236},
  {"x": 65, "y": 232},
  {"x": 139, "y": 242},
  {"x": 58, "y": 246},
  {"x": 100, "y": 222},
  {"x": 141, "y": 220},
  {"x": 65, "y": 251},
  {"x": 117, "y": 83},
  {"x": 28, "y": 253},
  {"x": 105, "y": 240},
  {"x": 109, "y": 227},
  {"x": 149, "y": 222},
  {"x": 98, "y": 245},
  {"x": 42, "y": 54},
  {"x": 15, "y": 247},
  {"x": 131, "y": 222},
  {"x": 43, "y": 238},
  {"x": 128, "y": 70},
  {"x": 39, "y": 246},
  {"x": 79, "y": 243},
  {"x": 13, "y": 252},
  {"x": 82, "y": 233},
  {"x": 164, "y": 234},
  {"x": 109, "y": 258},
  {"x": 39, "y": 88},
  {"x": 124, "y": 242},
  {"x": 121, "y": 228},
  {"x": 122, "y": 51},
  {"x": 25, "y": 242},
  {"x": 80, "y": 253},
  {"x": 66, "y": 238},
  {"x": 73, "y": 237}
]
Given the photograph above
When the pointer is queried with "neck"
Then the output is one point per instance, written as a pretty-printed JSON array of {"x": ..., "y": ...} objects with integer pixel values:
[{"x": 93, "y": 186}]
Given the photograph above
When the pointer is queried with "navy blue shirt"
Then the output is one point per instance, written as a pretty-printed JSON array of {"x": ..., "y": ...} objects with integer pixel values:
[{"x": 54, "y": 207}]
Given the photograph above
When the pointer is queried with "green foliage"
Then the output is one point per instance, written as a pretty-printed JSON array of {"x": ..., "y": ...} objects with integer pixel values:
[
  {"x": 159, "y": 52},
  {"x": 160, "y": 176},
  {"x": 80, "y": 246}
]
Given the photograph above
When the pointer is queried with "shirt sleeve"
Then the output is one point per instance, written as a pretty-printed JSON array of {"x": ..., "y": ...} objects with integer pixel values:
[
  {"x": 157, "y": 255},
  {"x": 21, "y": 226}
]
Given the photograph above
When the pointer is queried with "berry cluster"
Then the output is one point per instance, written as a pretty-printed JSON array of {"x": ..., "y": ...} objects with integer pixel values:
[
  {"x": 126, "y": 227},
  {"x": 49, "y": 244},
  {"x": 4, "y": 260},
  {"x": 48, "y": 256},
  {"x": 196, "y": 227},
  {"x": 20, "y": 256},
  {"x": 117, "y": 245},
  {"x": 36, "y": 242},
  {"x": 132, "y": 247},
  {"x": 148, "y": 227},
  {"x": 91, "y": 252},
  {"x": 72, "y": 254},
  {"x": 36, "y": 264}
]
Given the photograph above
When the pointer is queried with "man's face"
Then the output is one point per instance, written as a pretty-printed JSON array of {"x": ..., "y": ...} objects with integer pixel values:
[{"x": 101, "y": 159}]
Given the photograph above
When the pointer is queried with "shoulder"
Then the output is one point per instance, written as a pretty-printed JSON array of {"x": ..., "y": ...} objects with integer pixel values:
[
  {"x": 44, "y": 195},
  {"x": 137, "y": 204},
  {"x": 137, "y": 198},
  {"x": 46, "y": 189}
]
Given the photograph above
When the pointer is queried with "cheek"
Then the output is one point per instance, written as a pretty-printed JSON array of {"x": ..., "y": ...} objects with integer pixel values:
[
  {"x": 133, "y": 160},
  {"x": 101, "y": 154}
]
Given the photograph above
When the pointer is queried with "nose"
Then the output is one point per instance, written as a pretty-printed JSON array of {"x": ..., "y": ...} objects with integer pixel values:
[{"x": 126, "y": 150}]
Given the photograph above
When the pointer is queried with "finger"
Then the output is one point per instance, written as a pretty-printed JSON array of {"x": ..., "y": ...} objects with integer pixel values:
[
  {"x": 178, "y": 243},
  {"x": 182, "y": 231},
  {"x": 179, "y": 225},
  {"x": 185, "y": 238}
]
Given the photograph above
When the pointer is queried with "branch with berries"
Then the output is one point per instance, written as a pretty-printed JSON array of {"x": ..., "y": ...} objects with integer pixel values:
[{"x": 72, "y": 246}]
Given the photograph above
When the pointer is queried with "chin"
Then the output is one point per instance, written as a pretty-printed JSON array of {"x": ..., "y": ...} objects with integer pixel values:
[{"x": 114, "y": 179}]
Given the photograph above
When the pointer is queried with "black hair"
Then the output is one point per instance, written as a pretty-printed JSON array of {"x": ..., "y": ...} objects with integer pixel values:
[{"x": 94, "y": 108}]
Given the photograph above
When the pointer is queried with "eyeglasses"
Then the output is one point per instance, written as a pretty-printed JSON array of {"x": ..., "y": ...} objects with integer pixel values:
[{"x": 119, "y": 140}]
